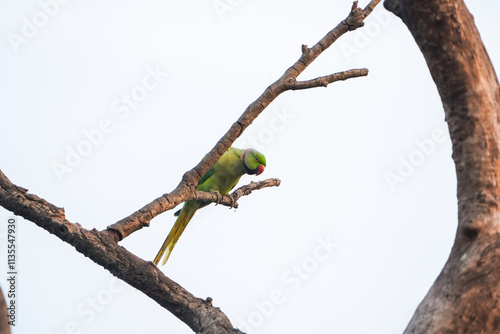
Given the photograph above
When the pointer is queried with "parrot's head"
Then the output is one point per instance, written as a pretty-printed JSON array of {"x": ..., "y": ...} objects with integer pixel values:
[{"x": 254, "y": 161}]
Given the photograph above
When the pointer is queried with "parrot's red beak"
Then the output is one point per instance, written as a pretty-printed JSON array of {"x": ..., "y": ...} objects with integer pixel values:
[{"x": 260, "y": 169}]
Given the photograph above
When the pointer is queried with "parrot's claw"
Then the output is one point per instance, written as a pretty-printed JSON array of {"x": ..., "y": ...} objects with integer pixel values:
[
  {"x": 233, "y": 202},
  {"x": 219, "y": 197}
]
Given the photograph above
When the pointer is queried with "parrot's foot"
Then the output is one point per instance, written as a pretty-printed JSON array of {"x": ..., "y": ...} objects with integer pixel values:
[
  {"x": 233, "y": 202},
  {"x": 219, "y": 196}
]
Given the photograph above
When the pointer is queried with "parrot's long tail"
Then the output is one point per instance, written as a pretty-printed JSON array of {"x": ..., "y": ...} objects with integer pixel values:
[{"x": 185, "y": 216}]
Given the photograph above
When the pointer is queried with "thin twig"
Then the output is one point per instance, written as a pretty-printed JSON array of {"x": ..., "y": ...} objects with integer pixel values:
[
  {"x": 328, "y": 79},
  {"x": 232, "y": 199}
]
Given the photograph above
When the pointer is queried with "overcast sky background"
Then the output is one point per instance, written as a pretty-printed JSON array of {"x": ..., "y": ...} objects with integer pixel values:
[{"x": 349, "y": 243}]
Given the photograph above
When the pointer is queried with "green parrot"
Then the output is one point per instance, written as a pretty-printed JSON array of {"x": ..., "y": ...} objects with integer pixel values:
[{"x": 222, "y": 177}]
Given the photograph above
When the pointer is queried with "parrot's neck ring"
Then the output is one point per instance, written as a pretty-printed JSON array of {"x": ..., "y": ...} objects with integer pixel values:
[
  {"x": 243, "y": 156},
  {"x": 249, "y": 171}
]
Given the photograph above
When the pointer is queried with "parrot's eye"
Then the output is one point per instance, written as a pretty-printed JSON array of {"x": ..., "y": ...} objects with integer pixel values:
[{"x": 256, "y": 159}]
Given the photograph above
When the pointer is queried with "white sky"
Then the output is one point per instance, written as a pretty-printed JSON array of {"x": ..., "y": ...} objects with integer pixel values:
[{"x": 332, "y": 148}]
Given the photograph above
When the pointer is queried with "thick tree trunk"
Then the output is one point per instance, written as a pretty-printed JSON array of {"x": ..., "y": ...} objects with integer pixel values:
[{"x": 466, "y": 296}]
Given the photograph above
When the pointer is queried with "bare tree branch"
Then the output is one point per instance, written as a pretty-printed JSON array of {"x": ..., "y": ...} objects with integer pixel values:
[
  {"x": 288, "y": 81},
  {"x": 328, "y": 79},
  {"x": 247, "y": 190},
  {"x": 231, "y": 200}
]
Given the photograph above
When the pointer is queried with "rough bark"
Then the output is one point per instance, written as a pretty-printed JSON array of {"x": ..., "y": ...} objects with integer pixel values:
[{"x": 465, "y": 298}]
